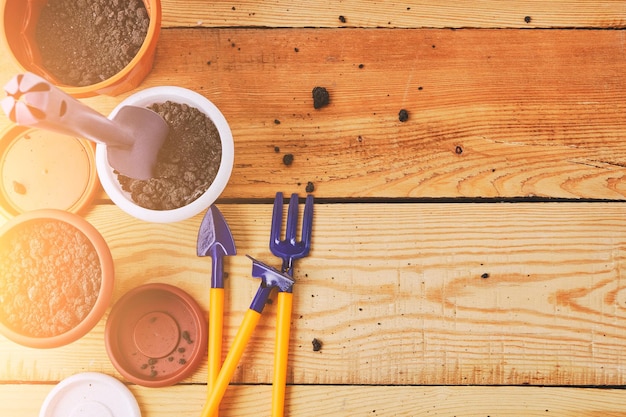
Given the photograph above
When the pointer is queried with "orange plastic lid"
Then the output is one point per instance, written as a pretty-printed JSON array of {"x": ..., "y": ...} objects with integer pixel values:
[{"x": 40, "y": 169}]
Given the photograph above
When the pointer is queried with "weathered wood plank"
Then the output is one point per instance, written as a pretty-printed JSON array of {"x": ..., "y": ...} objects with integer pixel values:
[
  {"x": 492, "y": 113},
  {"x": 340, "y": 401},
  {"x": 404, "y": 14},
  {"x": 398, "y": 294}
]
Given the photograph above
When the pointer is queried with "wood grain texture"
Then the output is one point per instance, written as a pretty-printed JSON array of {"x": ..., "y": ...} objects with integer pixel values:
[
  {"x": 490, "y": 294},
  {"x": 340, "y": 401},
  {"x": 386, "y": 14},
  {"x": 414, "y": 303},
  {"x": 535, "y": 115},
  {"x": 492, "y": 113}
]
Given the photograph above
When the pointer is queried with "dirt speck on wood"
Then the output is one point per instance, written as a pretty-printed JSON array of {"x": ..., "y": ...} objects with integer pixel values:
[
  {"x": 288, "y": 159},
  {"x": 321, "y": 97},
  {"x": 317, "y": 345}
]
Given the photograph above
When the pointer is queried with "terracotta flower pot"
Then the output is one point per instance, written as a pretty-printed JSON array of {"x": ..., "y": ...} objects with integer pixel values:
[
  {"x": 124, "y": 200},
  {"x": 18, "y": 21},
  {"x": 56, "y": 278}
]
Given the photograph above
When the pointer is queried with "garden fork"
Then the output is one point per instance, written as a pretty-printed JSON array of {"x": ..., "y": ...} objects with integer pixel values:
[{"x": 288, "y": 250}]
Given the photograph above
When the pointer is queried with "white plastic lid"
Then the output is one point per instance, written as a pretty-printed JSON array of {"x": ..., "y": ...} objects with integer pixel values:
[{"x": 90, "y": 394}]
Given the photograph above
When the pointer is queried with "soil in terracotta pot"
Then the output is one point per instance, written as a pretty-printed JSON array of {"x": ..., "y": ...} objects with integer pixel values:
[
  {"x": 187, "y": 163},
  {"x": 84, "y": 42},
  {"x": 50, "y": 277}
]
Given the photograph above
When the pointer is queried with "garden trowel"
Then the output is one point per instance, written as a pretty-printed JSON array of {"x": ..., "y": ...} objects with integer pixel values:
[{"x": 215, "y": 240}]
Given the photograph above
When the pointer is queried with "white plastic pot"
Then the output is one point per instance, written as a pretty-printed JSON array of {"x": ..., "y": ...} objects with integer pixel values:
[{"x": 145, "y": 98}]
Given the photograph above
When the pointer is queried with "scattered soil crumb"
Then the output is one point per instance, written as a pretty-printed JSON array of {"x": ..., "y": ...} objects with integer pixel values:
[
  {"x": 288, "y": 159},
  {"x": 342, "y": 19},
  {"x": 187, "y": 337},
  {"x": 321, "y": 97},
  {"x": 528, "y": 19},
  {"x": 485, "y": 276},
  {"x": 310, "y": 187},
  {"x": 317, "y": 345},
  {"x": 403, "y": 115},
  {"x": 19, "y": 188}
]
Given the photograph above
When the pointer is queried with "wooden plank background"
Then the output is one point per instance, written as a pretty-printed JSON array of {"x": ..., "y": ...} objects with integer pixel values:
[
  {"x": 532, "y": 117},
  {"x": 396, "y": 14},
  {"x": 458, "y": 257},
  {"x": 244, "y": 401},
  {"x": 400, "y": 294}
]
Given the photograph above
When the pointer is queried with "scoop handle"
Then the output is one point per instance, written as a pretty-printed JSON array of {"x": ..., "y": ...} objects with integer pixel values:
[{"x": 33, "y": 101}]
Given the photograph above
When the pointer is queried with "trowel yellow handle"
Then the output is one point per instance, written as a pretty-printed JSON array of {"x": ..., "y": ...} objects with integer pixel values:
[
  {"x": 281, "y": 352},
  {"x": 250, "y": 320},
  {"x": 216, "y": 324}
]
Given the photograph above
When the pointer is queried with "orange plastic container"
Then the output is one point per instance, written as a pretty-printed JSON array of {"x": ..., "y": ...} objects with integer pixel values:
[
  {"x": 18, "y": 20},
  {"x": 41, "y": 169}
]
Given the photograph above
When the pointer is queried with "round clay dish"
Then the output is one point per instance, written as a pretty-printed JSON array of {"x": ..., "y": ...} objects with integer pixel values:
[
  {"x": 56, "y": 278},
  {"x": 41, "y": 169},
  {"x": 156, "y": 335}
]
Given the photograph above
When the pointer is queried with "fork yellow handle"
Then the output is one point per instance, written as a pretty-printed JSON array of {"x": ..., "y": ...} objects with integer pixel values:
[
  {"x": 250, "y": 320},
  {"x": 281, "y": 352},
  {"x": 216, "y": 324}
]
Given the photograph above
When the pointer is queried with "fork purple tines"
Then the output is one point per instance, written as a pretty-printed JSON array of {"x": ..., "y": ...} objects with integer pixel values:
[{"x": 288, "y": 249}]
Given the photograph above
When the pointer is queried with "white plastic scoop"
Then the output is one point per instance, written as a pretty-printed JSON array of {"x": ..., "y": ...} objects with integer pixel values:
[{"x": 133, "y": 137}]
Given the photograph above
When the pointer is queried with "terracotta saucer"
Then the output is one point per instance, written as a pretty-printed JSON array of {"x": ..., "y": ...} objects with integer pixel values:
[
  {"x": 41, "y": 169},
  {"x": 156, "y": 335}
]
